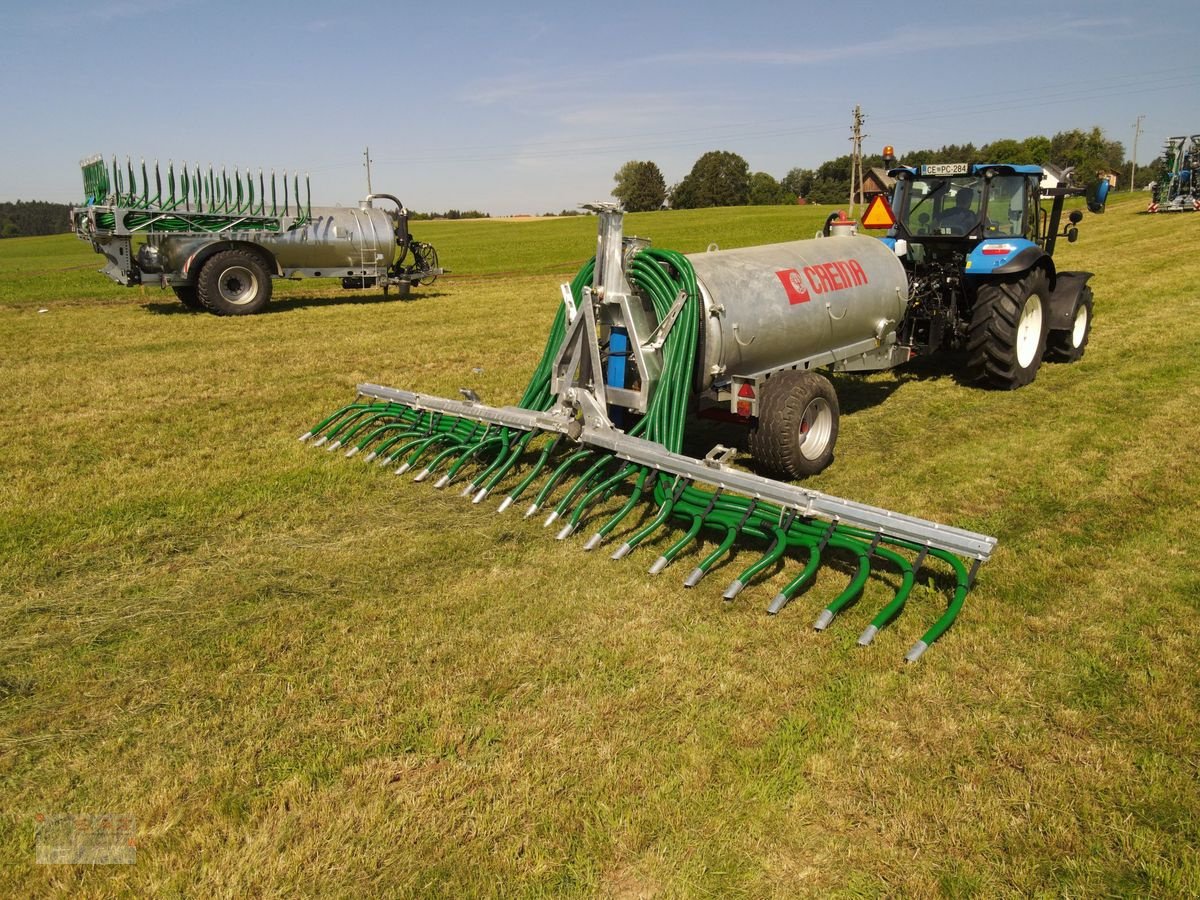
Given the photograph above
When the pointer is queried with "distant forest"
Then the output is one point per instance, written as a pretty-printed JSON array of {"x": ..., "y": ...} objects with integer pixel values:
[{"x": 26, "y": 218}]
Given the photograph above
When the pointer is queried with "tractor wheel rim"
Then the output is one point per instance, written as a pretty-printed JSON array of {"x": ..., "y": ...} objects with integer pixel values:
[
  {"x": 1080, "y": 327},
  {"x": 1029, "y": 331},
  {"x": 238, "y": 285},
  {"x": 816, "y": 425}
]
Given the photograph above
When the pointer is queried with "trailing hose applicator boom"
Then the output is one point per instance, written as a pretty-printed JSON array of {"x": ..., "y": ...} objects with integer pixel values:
[{"x": 634, "y": 341}]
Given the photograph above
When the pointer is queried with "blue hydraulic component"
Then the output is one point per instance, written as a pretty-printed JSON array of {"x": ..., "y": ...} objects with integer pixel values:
[
  {"x": 617, "y": 372},
  {"x": 618, "y": 356}
]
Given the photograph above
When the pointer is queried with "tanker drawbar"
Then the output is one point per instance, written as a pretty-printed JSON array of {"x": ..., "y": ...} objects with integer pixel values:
[{"x": 640, "y": 334}]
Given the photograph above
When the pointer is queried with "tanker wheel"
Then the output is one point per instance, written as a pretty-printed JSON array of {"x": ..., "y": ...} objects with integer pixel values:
[
  {"x": 797, "y": 424},
  {"x": 234, "y": 283},
  {"x": 187, "y": 296},
  {"x": 1007, "y": 337},
  {"x": 1068, "y": 345}
]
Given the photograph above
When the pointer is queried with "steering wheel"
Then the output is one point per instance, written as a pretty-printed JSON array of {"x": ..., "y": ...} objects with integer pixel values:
[{"x": 958, "y": 219}]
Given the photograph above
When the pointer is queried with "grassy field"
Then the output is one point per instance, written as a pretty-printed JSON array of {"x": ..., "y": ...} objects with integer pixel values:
[{"x": 300, "y": 674}]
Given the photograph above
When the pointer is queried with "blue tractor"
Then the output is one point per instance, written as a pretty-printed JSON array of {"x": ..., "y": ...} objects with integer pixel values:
[{"x": 978, "y": 244}]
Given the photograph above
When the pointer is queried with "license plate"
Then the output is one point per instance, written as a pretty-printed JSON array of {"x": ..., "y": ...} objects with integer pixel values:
[{"x": 944, "y": 169}]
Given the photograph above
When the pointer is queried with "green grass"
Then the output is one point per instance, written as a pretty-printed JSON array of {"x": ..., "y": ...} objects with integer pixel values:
[{"x": 301, "y": 674}]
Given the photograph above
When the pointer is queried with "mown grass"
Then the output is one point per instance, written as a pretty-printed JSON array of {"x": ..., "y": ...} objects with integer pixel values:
[{"x": 301, "y": 674}]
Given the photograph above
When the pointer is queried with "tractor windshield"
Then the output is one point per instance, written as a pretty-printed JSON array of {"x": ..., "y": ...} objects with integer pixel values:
[
  {"x": 955, "y": 206},
  {"x": 941, "y": 206}
]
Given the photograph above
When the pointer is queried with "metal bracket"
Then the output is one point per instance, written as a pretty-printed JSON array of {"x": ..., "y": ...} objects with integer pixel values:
[
  {"x": 569, "y": 303},
  {"x": 659, "y": 336},
  {"x": 578, "y": 373},
  {"x": 720, "y": 456}
]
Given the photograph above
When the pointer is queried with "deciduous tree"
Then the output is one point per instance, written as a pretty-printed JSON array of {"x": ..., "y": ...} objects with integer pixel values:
[
  {"x": 719, "y": 178},
  {"x": 640, "y": 186}
]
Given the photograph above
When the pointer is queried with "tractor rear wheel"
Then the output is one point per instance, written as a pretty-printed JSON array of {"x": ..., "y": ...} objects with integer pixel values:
[
  {"x": 234, "y": 283},
  {"x": 187, "y": 296},
  {"x": 797, "y": 424},
  {"x": 1007, "y": 336},
  {"x": 1068, "y": 346}
]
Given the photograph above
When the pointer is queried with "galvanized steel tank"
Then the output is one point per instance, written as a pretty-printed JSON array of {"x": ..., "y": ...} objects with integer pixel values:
[
  {"x": 338, "y": 240},
  {"x": 337, "y": 237},
  {"x": 767, "y": 307}
]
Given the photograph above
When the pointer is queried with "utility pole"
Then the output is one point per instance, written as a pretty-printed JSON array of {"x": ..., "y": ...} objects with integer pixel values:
[
  {"x": 1137, "y": 130},
  {"x": 856, "y": 172},
  {"x": 367, "y": 155}
]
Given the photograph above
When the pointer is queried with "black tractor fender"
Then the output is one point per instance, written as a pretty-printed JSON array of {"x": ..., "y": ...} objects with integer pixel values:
[
  {"x": 198, "y": 256},
  {"x": 1027, "y": 259},
  {"x": 1064, "y": 294}
]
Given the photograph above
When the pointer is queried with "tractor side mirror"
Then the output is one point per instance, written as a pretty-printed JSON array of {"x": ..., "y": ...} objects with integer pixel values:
[
  {"x": 1075, "y": 216},
  {"x": 1097, "y": 196}
]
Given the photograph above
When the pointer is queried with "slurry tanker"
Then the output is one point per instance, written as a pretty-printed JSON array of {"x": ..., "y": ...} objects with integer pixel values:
[{"x": 218, "y": 241}]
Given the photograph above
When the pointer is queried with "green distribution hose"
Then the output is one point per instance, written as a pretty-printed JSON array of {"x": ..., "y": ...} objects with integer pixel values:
[{"x": 660, "y": 276}]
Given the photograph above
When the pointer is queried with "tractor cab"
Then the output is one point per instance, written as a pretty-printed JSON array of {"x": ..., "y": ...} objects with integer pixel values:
[{"x": 960, "y": 205}]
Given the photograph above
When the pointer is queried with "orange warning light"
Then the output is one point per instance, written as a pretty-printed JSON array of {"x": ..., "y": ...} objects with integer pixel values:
[
  {"x": 879, "y": 214},
  {"x": 889, "y": 152}
]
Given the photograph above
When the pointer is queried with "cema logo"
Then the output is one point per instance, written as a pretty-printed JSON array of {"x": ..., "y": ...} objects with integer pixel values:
[{"x": 793, "y": 284}]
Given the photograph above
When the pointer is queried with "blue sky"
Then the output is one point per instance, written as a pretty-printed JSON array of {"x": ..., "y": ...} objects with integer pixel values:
[{"x": 533, "y": 107}]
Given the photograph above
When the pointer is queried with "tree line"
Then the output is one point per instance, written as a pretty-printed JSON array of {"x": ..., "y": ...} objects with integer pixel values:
[
  {"x": 448, "y": 214},
  {"x": 26, "y": 218},
  {"x": 722, "y": 178}
]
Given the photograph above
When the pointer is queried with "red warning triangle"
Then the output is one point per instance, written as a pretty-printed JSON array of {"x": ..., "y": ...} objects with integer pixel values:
[{"x": 879, "y": 214}]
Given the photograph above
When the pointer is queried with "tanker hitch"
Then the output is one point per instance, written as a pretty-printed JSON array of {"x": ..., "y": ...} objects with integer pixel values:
[{"x": 624, "y": 347}]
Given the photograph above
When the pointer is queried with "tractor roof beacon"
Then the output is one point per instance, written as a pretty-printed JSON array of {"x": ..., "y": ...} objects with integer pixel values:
[{"x": 978, "y": 245}]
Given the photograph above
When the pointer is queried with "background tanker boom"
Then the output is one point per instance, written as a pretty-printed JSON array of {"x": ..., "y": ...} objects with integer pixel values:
[
  {"x": 217, "y": 242},
  {"x": 1176, "y": 188}
]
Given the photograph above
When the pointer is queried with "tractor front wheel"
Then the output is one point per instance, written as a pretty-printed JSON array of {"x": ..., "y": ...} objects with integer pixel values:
[
  {"x": 1008, "y": 331},
  {"x": 797, "y": 424},
  {"x": 234, "y": 283},
  {"x": 1067, "y": 346}
]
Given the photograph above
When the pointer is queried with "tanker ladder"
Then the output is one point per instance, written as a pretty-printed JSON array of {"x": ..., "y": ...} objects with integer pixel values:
[{"x": 563, "y": 433}]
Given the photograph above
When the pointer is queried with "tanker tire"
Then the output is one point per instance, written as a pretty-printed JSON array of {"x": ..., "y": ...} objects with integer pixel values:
[
  {"x": 1069, "y": 345},
  {"x": 1007, "y": 337},
  {"x": 797, "y": 424},
  {"x": 234, "y": 283},
  {"x": 187, "y": 296}
]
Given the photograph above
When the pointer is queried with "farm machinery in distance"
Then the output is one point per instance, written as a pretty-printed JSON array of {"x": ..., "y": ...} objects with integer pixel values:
[
  {"x": 1176, "y": 188},
  {"x": 643, "y": 338},
  {"x": 218, "y": 244}
]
